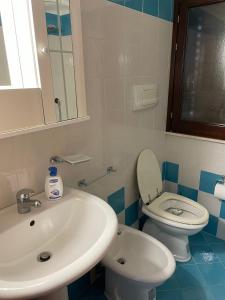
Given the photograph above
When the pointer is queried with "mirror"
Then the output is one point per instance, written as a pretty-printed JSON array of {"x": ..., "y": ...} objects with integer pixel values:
[
  {"x": 60, "y": 49},
  {"x": 4, "y": 74}
]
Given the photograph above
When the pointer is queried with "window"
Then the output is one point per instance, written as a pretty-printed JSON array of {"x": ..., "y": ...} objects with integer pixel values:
[{"x": 197, "y": 85}]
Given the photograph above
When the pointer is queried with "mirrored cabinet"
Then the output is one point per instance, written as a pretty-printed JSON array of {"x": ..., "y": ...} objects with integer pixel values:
[{"x": 42, "y": 69}]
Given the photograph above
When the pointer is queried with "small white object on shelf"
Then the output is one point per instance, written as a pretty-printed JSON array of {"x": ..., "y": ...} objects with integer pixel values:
[
  {"x": 76, "y": 158},
  {"x": 70, "y": 159}
]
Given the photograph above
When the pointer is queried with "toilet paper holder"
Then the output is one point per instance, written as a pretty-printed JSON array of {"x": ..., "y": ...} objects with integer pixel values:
[{"x": 222, "y": 180}]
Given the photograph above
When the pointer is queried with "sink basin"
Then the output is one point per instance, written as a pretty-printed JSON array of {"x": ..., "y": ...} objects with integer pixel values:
[{"x": 76, "y": 231}]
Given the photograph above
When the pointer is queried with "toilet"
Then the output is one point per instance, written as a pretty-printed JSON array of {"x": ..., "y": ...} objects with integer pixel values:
[
  {"x": 136, "y": 264},
  {"x": 172, "y": 217}
]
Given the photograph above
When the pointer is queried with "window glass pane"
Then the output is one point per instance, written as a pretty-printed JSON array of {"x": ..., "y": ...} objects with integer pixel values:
[{"x": 203, "y": 90}]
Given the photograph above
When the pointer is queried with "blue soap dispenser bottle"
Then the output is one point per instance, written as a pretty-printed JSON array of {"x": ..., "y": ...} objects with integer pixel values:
[{"x": 53, "y": 185}]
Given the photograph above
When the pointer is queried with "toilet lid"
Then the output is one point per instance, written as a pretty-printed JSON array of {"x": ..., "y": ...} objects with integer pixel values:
[{"x": 148, "y": 176}]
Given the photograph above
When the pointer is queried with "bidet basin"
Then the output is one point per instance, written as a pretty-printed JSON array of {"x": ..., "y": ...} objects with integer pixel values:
[{"x": 53, "y": 245}]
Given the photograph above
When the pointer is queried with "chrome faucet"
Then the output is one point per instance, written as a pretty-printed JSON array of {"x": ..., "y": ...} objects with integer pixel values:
[{"x": 24, "y": 203}]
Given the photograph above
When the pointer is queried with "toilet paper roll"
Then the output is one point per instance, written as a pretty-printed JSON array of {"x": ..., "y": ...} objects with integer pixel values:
[{"x": 219, "y": 191}]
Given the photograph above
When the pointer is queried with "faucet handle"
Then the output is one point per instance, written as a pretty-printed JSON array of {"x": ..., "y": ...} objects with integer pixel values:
[{"x": 24, "y": 194}]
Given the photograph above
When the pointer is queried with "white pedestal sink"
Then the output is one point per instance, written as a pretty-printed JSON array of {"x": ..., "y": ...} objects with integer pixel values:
[{"x": 76, "y": 231}]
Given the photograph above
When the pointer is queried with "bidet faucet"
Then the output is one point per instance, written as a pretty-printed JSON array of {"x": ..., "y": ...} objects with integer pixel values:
[{"x": 24, "y": 203}]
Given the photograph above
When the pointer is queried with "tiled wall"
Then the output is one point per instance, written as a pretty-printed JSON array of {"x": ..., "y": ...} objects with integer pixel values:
[
  {"x": 158, "y": 8},
  {"x": 123, "y": 47},
  {"x": 193, "y": 166}
]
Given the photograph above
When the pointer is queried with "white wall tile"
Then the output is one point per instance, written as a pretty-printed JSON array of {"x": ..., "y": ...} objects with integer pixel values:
[
  {"x": 170, "y": 187},
  {"x": 121, "y": 217},
  {"x": 221, "y": 229},
  {"x": 211, "y": 203},
  {"x": 122, "y": 47}
]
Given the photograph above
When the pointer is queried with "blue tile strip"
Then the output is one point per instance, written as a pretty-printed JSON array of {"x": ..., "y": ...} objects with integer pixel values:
[
  {"x": 222, "y": 210},
  {"x": 208, "y": 181},
  {"x": 162, "y": 9},
  {"x": 66, "y": 25},
  {"x": 131, "y": 213},
  {"x": 117, "y": 200},
  {"x": 188, "y": 192},
  {"x": 166, "y": 9},
  {"x": 53, "y": 26},
  {"x": 134, "y": 4},
  {"x": 79, "y": 287},
  {"x": 171, "y": 171},
  {"x": 212, "y": 225},
  {"x": 151, "y": 7}
]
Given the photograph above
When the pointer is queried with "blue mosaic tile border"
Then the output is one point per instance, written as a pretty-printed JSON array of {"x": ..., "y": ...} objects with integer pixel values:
[
  {"x": 162, "y": 9},
  {"x": 117, "y": 201}
]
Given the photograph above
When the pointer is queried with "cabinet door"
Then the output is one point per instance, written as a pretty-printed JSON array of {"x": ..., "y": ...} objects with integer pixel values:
[
  {"x": 42, "y": 79},
  {"x": 20, "y": 91},
  {"x": 60, "y": 52}
]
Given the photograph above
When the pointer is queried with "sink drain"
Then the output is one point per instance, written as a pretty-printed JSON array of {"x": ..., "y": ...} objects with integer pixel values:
[
  {"x": 121, "y": 261},
  {"x": 44, "y": 256}
]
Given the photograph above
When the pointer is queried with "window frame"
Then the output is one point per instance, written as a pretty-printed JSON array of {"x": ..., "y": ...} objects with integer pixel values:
[{"x": 174, "y": 122}]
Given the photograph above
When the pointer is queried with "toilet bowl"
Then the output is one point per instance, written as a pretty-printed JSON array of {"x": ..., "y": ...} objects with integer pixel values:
[
  {"x": 136, "y": 264},
  {"x": 172, "y": 217}
]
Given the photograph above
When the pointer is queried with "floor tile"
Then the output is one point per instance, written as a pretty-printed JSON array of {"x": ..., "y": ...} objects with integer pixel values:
[
  {"x": 218, "y": 292},
  {"x": 94, "y": 293},
  {"x": 202, "y": 278},
  {"x": 197, "y": 239},
  {"x": 213, "y": 273},
  {"x": 170, "y": 284},
  {"x": 219, "y": 249},
  {"x": 210, "y": 239},
  {"x": 198, "y": 293},
  {"x": 190, "y": 262},
  {"x": 169, "y": 295},
  {"x": 203, "y": 254},
  {"x": 189, "y": 276}
]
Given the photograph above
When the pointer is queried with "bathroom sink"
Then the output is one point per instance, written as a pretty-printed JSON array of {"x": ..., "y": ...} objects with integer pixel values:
[{"x": 75, "y": 231}]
